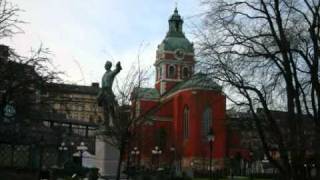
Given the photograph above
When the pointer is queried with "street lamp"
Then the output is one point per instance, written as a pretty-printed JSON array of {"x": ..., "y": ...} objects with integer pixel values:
[
  {"x": 210, "y": 139},
  {"x": 41, "y": 146},
  {"x": 62, "y": 148},
  {"x": 192, "y": 165},
  {"x": 306, "y": 170},
  {"x": 81, "y": 148},
  {"x": 135, "y": 153},
  {"x": 173, "y": 152},
  {"x": 251, "y": 162},
  {"x": 157, "y": 152}
]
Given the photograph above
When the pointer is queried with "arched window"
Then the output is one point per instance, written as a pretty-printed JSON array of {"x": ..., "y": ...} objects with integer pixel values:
[
  {"x": 185, "y": 123},
  {"x": 185, "y": 72},
  {"x": 206, "y": 122},
  {"x": 171, "y": 72},
  {"x": 177, "y": 26}
]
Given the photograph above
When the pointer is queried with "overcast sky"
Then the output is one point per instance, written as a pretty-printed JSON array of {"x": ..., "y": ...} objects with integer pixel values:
[{"x": 83, "y": 34}]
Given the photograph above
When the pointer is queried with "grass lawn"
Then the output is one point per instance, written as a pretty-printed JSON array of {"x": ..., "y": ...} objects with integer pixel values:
[{"x": 235, "y": 178}]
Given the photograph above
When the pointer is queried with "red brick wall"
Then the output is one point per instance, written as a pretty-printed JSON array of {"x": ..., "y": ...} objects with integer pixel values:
[
  {"x": 170, "y": 85},
  {"x": 194, "y": 146}
]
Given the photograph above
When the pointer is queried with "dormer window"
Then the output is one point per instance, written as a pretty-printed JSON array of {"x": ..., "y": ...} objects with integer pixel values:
[{"x": 171, "y": 71}]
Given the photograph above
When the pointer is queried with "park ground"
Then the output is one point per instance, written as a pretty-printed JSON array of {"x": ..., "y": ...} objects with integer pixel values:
[{"x": 235, "y": 178}]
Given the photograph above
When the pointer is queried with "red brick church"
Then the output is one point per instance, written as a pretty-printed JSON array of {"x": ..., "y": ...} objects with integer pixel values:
[{"x": 185, "y": 107}]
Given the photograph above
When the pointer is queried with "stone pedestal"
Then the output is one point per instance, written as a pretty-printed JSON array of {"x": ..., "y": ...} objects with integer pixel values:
[{"x": 107, "y": 157}]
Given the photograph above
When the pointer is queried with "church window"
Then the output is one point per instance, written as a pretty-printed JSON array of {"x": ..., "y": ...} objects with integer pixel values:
[
  {"x": 91, "y": 119},
  {"x": 177, "y": 24},
  {"x": 206, "y": 122},
  {"x": 185, "y": 72},
  {"x": 186, "y": 123},
  {"x": 160, "y": 72},
  {"x": 172, "y": 72}
]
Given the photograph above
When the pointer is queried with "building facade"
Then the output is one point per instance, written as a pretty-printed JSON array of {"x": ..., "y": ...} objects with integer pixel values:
[
  {"x": 78, "y": 103},
  {"x": 182, "y": 109}
]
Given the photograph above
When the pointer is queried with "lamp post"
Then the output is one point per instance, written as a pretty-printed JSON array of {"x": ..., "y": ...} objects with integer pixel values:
[
  {"x": 251, "y": 162},
  {"x": 157, "y": 152},
  {"x": 81, "y": 148},
  {"x": 135, "y": 153},
  {"x": 62, "y": 148},
  {"x": 173, "y": 159},
  {"x": 173, "y": 152},
  {"x": 41, "y": 145},
  {"x": 210, "y": 139},
  {"x": 305, "y": 165}
]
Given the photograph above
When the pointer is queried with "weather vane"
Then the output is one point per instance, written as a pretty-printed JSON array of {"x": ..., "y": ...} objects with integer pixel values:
[{"x": 176, "y": 3}]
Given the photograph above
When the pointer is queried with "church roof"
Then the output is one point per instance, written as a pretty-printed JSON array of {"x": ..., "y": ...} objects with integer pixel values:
[
  {"x": 146, "y": 93},
  {"x": 199, "y": 80},
  {"x": 174, "y": 43}
]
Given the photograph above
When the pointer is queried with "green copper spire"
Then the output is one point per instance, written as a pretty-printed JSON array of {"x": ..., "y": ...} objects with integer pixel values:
[
  {"x": 175, "y": 25},
  {"x": 175, "y": 38}
]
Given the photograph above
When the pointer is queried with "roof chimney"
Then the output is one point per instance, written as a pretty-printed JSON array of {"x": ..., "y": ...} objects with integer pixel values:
[{"x": 95, "y": 85}]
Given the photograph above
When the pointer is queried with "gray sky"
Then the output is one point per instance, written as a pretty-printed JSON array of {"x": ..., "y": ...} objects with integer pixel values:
[{"x": 86, "y": 33}]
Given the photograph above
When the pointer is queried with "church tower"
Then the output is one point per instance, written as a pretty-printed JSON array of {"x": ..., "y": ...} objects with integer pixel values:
[{"x": 175, "y": 56}]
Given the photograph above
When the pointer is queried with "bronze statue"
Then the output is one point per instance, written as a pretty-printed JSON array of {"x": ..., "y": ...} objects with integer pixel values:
[{"x": 106, "y": 97}]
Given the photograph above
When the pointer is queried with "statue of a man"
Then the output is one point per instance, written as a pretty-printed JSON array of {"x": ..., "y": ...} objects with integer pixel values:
[{"x": 106, "y": 97}]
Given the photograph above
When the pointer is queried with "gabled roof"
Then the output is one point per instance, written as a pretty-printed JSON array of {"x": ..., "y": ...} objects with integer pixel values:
[
  {"x": 146, "y": 93},
  {"x": 72, "y": 88},
  {"x": 198, "y": 81}
]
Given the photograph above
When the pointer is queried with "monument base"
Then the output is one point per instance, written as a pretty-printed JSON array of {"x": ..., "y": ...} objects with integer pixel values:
[{"x": 107, "y": 156}]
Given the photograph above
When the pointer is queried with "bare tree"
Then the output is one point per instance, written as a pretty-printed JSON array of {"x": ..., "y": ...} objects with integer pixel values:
[
  {"x": 21, "y": 77},
  {"x": 22, "y": 80},
  {"x": 9, "y": 19},
  {"x": 266, "y": 53}
]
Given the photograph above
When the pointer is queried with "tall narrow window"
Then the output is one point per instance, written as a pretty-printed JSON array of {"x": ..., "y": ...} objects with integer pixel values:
[
  {"x": 185, "y": 72},
  {"x": 171, "y": 72},
  {"x": 206, "y": 122},
  {"x": 186, "y": 123},
  {"x": 160, "y": 72},
  {"x": 157, "y": 76}
]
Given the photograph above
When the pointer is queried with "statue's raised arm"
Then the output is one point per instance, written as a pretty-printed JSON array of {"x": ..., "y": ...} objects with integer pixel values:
[{"x": 118, "y": 67}]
